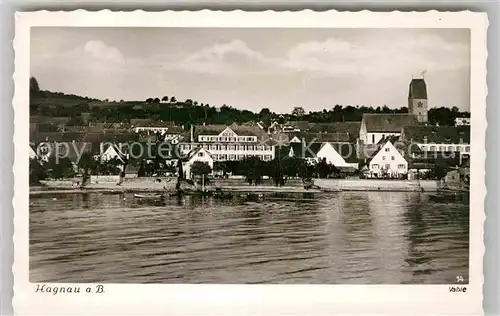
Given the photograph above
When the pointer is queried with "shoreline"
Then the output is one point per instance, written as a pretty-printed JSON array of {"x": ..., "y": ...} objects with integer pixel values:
[{"x": 323, "y": 186}]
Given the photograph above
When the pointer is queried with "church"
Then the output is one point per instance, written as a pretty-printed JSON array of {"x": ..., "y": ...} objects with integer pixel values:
[
  {"x": 417, "y": 99},
  {"x": 376, "y": 127}
]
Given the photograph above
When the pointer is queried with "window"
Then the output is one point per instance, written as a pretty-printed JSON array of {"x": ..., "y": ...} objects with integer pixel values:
[
  {"x": 375, "y": 166},
  {"x": 251, "y": 147},
  {"x": 224, "y": 147},
  {"x": 249, "y": 139},
  {"x": 387, "y": 149},
  {"x": 467, "y": 148},
  {"x": 383, "y": 157},
  {"x": 383, "y": 136},
  {"x": 373, "y": 138},
  {"x": 232, "y": 157},
  {"x": 200, "y": 154},
  {"x": 450, "y": 148},
  {"x": 392, "y": 157},
  {"x": 442, "y": 148},
  {"x": 401, "y": 166},
  {"x": 232, "y": 139},
  {"x": 241, "y": 147},
  {"x": 387, "y": 166},
  {"x": 433, "y": 148}
]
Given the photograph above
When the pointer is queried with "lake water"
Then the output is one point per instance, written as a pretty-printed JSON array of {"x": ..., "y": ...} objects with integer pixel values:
[{"x": 340, "y": 238}]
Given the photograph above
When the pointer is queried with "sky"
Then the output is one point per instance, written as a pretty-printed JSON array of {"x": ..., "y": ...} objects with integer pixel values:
[{"x": 255, "y": 68}]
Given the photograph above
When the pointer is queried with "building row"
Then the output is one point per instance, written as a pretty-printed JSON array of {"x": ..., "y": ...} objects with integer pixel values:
[
  {"x": 385, "y": 144},
  {"x": 379, "y": 145}
]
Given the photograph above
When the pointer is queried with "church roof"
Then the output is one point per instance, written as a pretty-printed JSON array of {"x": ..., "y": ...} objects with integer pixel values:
[
  {"x": 379, "y": 123},
  {"x": 418, "y": 89}
]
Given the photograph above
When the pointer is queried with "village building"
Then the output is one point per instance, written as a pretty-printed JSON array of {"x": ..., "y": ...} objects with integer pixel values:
[
  {"x": 111, "y": 151},
  {"x": 166, "y": 129},
  {"x": 388, "y": 161},
  {"x": 32, "y": 153},
  {"x": 337, "y": 137},
  {"x": 462, "y": 121},
  {"x": 342, "y": 155},
  {"x": 375, "y": 127},
  {"x": 233, "y": 142},
  {"x": 61, "y": 150},
  {"x": 197, "y": 154},
  {"x": 438, "y": 138},
  {"x": 417, "y": 99}
]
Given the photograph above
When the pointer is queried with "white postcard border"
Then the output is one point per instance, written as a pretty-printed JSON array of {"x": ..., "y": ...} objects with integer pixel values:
[{"x": 130, "y": 299}]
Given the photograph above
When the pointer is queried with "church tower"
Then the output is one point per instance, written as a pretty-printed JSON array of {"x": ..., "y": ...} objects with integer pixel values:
[{"x": 417, "y": 99}]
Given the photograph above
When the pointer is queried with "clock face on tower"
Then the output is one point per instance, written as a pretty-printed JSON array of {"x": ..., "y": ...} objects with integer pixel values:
[{"x": 420, "y": 104}]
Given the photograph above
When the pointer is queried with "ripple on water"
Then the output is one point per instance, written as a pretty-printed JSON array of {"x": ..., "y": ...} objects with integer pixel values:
[{"x": 350, "y": 237}]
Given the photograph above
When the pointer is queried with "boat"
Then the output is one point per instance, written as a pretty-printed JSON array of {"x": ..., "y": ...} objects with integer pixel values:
[
  {"x": 450, "y": 197},
  {"x": 148, "y": 196},
  {"x": 218, "y": 193}
]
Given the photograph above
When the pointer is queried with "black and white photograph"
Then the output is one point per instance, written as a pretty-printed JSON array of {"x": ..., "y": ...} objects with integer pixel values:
[{"x": 251, "y": 155}]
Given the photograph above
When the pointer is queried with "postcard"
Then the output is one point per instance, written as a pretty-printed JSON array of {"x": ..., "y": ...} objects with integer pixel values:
[{"x": 239, "y": 162}]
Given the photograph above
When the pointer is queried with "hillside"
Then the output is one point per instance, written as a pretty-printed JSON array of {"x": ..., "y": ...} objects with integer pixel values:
[{"x": 82, "y": 110}]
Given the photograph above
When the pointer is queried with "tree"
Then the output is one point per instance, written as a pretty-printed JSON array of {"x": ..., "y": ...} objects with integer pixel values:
[
  {"x": 88, "y": 164},
  {"x": 164, "y": 99},
  {"x": 265, "y": 112},
  {"x": 200, "y": 168},
  {"x": 111, "y": 167},
  {"x": 149, "y": 100},
  {"x": 440, "y": 169},
  {"x": 60, "y": 168},
  {"x": 173, "y": 100},
  {"x": 34, "y": 87},
  {"x": 253, "y": 169},
  {"x": 37, "y": 172},
  {"x": 298, "y": 111},
  {"x": 221, "y": 167},
  {"x": 323, "y": 168},
  {"x": 156, "y": 100}
]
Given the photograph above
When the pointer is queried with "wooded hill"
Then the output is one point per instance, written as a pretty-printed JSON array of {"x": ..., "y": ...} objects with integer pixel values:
[{"x": 164, "y": 108}]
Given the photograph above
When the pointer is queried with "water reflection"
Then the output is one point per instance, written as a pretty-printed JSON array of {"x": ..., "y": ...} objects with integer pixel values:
[{"x": 349, "y": 237}]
